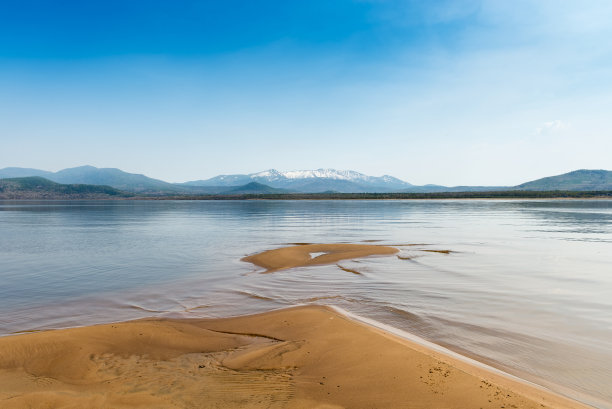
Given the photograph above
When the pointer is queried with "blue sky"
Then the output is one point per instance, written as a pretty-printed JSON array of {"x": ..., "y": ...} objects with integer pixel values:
[{"x": 448, "y": 92}]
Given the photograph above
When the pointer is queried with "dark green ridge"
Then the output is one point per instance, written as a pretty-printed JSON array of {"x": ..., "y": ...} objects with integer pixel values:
[
  {"x": 36, "y": 187},
  {"x": 584, "y": 179}
]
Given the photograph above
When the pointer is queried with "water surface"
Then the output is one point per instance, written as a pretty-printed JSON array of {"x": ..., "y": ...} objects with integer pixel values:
[{"x": 527, "y": 285}]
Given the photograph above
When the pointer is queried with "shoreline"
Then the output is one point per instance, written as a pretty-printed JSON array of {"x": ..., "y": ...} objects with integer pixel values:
[
  {"x": 546, "y": 195},
  {"x": 476, "y": 363},
  {"x": 300, "y": 349}
]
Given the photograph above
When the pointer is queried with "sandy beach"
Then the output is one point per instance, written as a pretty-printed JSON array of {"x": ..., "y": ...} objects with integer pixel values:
[{"x": 301, "y": 357}]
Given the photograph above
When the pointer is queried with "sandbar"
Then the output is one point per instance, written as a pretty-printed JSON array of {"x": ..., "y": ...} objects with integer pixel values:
[
  {"x": 300, "y": 357},
  {"x": 301, "y": 255}
]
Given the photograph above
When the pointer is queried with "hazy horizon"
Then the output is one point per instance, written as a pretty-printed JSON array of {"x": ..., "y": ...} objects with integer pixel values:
[
  {"x": 284, "y": 171},
  {"x": 464, "y": 92}
]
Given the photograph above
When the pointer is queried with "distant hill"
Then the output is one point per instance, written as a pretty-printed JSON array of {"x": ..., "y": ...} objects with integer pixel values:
[
  {"x": 254, "y": 188},
  {"x": 96, "y": 176},
  {"x": 36, "y": 187},
  {"x": 583, "y": 179},
  {"x": 221, "y": 180},
  {"x": 23, "y": 172},
  {"x": 441, "y": 189},
  {"x": 578, "y": 180},
  {"x": 112, "y": 177},
  {"x": 90, "y": 175}
]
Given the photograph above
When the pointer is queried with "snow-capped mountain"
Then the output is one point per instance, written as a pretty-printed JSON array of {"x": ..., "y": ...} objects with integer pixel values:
[{"x": 318, "y": 180}]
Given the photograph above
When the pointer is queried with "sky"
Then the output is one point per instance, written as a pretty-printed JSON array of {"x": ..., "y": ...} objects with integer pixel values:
[{"x": 463, "y": 92}]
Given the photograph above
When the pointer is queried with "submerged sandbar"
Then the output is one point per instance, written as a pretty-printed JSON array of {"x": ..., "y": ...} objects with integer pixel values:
[{"x": 310, "y": 254}]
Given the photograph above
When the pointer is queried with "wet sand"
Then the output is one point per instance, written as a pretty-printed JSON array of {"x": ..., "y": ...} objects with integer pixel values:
[
  {"x": 301, "y": 357},
  {"x": 302, "y": 255}
]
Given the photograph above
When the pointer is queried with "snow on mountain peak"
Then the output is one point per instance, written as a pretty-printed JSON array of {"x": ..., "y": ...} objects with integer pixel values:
[
  {"x": 324, "y": 173},
  {"x": 271, "y": 174}
]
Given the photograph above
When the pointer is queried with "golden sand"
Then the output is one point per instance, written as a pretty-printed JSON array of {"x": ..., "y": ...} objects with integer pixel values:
[
  {"x": 300, "y": 255},
  {"x": 301, "y": 357}
]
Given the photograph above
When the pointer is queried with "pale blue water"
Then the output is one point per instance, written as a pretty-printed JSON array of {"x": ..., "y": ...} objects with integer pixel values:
[{"x": 528, "y": 287}]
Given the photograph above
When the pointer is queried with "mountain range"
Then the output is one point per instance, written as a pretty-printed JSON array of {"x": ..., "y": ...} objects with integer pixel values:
[
  {"x": 302, "y": 181},
  {"x": 116, "y": 178},
  {"x": 311, "y": 181}
]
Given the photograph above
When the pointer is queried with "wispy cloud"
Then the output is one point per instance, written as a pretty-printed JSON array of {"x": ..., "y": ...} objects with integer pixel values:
[{"x": 551, "y": 127}]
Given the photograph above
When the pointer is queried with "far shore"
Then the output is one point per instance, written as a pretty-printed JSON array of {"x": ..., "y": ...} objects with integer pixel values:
[{"x": 496, "y": 195}]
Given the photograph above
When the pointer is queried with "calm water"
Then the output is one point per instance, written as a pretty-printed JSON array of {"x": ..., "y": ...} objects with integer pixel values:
[{"x": 527, "y": 288}]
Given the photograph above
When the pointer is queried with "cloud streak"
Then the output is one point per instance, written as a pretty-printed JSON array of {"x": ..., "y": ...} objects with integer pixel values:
[{"x": 551, "y": 127}]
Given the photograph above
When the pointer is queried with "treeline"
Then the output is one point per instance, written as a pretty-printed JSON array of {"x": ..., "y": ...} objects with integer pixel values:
[
  {"x": 506, "y": 194},
  {"x": 33, "y": 188}
]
